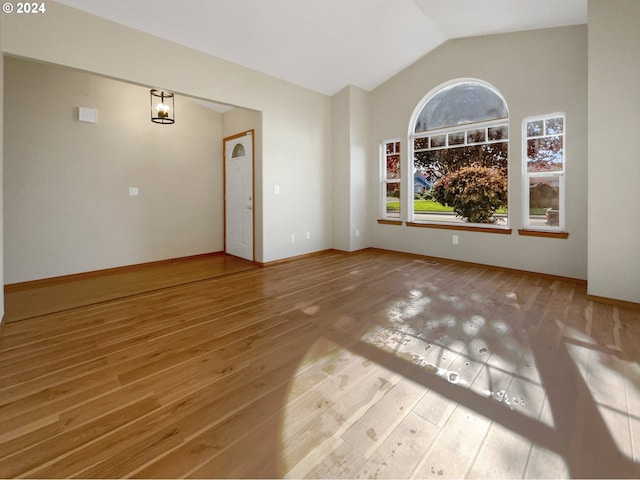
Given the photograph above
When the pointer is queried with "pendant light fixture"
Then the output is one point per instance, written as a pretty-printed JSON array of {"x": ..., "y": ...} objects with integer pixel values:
[{"x": 162, "y": 107}]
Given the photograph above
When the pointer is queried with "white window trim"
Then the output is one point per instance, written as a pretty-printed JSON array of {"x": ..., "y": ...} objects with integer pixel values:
[
  {"x": 409, "y": 214},
  {"x": 384, "y": 181},
  {"x": 460, "y": 129},
  {"x": 561, "y": 227}
]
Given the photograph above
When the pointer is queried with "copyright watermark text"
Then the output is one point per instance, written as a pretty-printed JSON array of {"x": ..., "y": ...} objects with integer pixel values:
[{"x": 20, "y": 7}]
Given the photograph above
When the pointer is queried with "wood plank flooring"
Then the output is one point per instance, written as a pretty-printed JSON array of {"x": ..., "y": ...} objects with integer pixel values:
[
  {"x": 363, "y": 365},
  {"x": 56, "y": 295}
]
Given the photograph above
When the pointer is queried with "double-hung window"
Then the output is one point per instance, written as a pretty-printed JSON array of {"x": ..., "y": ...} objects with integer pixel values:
[
  {"x": 391, "y": 179},
  {"x": 544, "y": 172}
]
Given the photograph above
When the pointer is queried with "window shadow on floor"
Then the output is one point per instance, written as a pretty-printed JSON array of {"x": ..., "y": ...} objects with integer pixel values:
[{"x": 530, "y": 348}]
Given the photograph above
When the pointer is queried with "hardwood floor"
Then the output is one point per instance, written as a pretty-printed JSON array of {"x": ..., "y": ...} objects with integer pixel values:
[
  {"x": 41, "y": 297},
  {"x": 364, "y": 365}
]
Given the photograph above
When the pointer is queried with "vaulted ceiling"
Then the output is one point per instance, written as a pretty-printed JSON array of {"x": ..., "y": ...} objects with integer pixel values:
[{"x": 325, "y": 45}]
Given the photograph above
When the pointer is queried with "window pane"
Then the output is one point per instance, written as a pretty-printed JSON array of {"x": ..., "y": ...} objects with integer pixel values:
[
  {"x": 534, "y": 129},
  {"x": 393, "y": 200},
  {"x": 460, "y": 104},
  {"x": 498, "y": 133},
  {"x": 487, "y": 162},
  {"x": 434, "y": 164},
  {"x": 420, "y": 143},
  {"x": 438, "y": 141},
  {"x": 392, "y": 147},
  {"x": 554, "y": 126},
  {"x": 422, "y": 158},
  {"x": 476, "y": 136},
  {"x": 545, "y": 154},
  {"x": 393, "y": 166},
  {"x": 544, "y": 201},
  {"x": 456, "y": 138}
]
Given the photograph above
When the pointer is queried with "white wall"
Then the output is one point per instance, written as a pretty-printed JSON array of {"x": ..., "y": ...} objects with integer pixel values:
[
  {"x": 296, "y": 121},
  {"x": 67, "y": 203},
  {"x": 538, "y": 72},
  {"x": 614, "y": 158}
]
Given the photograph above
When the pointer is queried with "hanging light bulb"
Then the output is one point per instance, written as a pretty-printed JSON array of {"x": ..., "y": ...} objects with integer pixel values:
[{"x": 163, "y": 110}]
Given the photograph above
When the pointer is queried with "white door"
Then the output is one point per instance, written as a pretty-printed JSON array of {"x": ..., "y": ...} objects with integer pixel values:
[{"x": 238, "y": 187}]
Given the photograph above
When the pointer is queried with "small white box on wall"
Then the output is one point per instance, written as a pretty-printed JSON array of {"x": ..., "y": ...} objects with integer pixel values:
[{"x": 87, "y": 114}]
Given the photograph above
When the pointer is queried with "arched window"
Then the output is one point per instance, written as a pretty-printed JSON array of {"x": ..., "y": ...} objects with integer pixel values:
[{"x": 459, "y": 149}]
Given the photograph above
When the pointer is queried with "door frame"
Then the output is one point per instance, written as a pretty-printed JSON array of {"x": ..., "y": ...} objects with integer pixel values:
[{"x": 252, "y": 133}]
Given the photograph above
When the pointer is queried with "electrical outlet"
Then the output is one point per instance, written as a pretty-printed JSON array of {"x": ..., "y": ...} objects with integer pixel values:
[
  {"x": 455, "y": 240},
  {"x": 133, "y": 191},
  {"x": 276, "y": 190},
  {"x": 293, "y": 237},
  {"x": 357, "y": 232},
  {"x": 308, "y": 235}
]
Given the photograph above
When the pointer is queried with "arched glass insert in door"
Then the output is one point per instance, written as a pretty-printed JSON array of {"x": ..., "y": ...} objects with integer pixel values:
[{"x": 238, "y": 151}]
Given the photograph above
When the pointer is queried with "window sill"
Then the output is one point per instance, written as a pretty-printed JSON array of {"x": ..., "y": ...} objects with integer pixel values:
[
  {"x": 542, "y": 233},
  {"x": 466, "y": 228},
  {"x": 390, "y": 222}
]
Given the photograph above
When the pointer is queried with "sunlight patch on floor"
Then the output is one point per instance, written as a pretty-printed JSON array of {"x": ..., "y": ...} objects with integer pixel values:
[{"x": 361, "y": 403}]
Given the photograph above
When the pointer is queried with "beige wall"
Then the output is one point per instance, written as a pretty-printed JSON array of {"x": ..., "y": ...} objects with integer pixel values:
[
  {"x": 614, "y": 158},
  {"x": 296, "y": 122},
  {"x": 350, "y": 140},
  {"x": 1, "y": 180},
  {"x": 362, "y": 198},
  {"x": 67, "y": 204},
  {"x": 341, "y": 169},
  {"x": 538, "y": 72}
]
